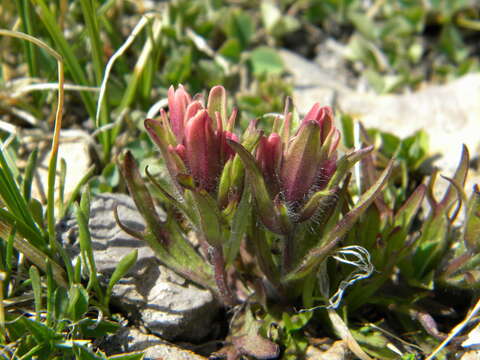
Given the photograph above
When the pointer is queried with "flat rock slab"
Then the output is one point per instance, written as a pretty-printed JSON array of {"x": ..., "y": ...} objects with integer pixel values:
[
  {"x": 165, "y": 303},
  {"x": 130, "y": 340}
]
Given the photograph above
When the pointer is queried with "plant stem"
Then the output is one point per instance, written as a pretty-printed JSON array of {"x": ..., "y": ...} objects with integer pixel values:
[
  {"x": 287, "y": 254},
  {"x": 218, "y": 262}
]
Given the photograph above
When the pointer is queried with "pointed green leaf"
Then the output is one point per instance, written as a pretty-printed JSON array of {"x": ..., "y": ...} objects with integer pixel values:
[
  {"x": 78, "y": 302},
  {"x": 240, "y": 222},
  {"x": 29, "y": 173},
  {"x": 409, "y": 209},
  {"x": 123, "y": 266},
  {"x": 37, "y": 290},
  {"x": 472, "y": 222},
  {"x": 211, "y": 222},
  {"x": 346, "y": 163},
  {"x": 225, "y": 183},
  {"x": 255, "y": 178}
]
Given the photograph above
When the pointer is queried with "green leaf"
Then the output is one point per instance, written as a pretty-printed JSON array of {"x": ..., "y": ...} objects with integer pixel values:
[
  {"x": 409, "y": 209},
  {"x": 29, "y": 172},
  {"x": 37, "y": 290},
  {"x": 211, "y": 221},
  {"x": 345, "y": 164},
  {"x": 320, "y": 200},
  {"x": 32, "y": 253},
  {"x": 142, "y": 199},
  {"x": 255, "y": 179},
  {"x": 85, "y": 240},
  {"x": 265, "y": 60},
  {"x": 217, "y": 102},
  {"x": 240, "y": 222},
  {"x": 347, "y": 125},
  {"x": 78, "y": 302},
  {"x": 95, "y": 328},
  {"x": 231, "y": 50},
  {"x": 60, "y": 303},
  {"x": 315, "y": 256},
  {"x": 240, "y": 26},
  {"x": 41, "y": 332},
  {"x": 472, "y": 222},
  {"x": 123, "y": 266},
  {"x": 459, "y": 178}
]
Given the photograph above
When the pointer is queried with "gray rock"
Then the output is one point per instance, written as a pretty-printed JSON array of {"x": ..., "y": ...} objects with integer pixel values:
[
  {"x": 312, "y": 83},
  {"x": 449, "y": 113},
  {"x": 164, "y": 302},
  {"x": 129, "y": 340}
]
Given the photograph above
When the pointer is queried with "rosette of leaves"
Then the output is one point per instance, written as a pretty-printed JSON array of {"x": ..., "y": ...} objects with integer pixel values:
[
  {"x": 425, "y": 260},
  {"x": 266, "y": 209}
]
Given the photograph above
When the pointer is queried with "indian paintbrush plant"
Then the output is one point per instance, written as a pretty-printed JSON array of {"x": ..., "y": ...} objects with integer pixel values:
[{"x": 268, "y": 208}]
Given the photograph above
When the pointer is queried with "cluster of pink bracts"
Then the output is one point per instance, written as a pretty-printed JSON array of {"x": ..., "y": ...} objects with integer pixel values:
[{"x": 194, "y": 141}]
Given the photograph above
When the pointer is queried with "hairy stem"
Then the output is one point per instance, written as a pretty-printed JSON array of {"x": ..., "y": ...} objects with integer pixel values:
[
  {"x": 218, "y": 262},
  {"x": 287, "y": 253}
]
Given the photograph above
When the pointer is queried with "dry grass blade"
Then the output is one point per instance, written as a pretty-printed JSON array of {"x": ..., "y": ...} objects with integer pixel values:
[
  {"x": 103, "y": 87},
  {"x": 456, "y": 330},
  {"x": 342, "y": 330}
]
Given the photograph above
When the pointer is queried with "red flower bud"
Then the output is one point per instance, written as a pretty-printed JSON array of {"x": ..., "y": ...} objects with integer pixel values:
[
  {"x": 202, "y": 150},
  {"x": 178, "y": 101},
  {"x": 269, "y": 157}
]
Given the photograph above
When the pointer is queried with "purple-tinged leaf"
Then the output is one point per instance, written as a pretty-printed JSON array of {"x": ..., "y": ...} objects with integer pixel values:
[
  {"x": 459, "y": 177},
  {"x": 262, "y": 198},
  {"x": 180, "y": 256},
  {"x": 143, "y": 200},
  {"x": 409, "y": 209},
  {"x": 461, "y": 198},
  {"x": 165, "y": 194},
  {"x": 368, "y": 176},
  {"x": 299, "y": 168},
  {"x": 173, "y": 162},
  {"x": 249, "y": 342}
]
